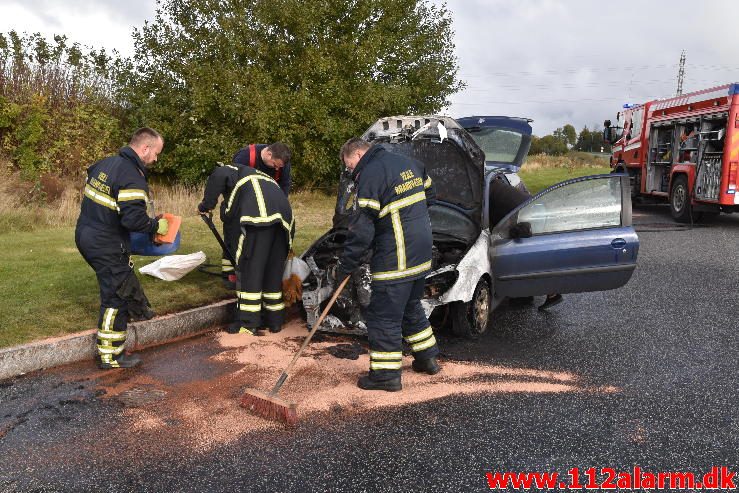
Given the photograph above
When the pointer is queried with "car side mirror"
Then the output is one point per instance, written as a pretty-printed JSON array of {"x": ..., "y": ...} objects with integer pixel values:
[{"x": 521, "y": 230}]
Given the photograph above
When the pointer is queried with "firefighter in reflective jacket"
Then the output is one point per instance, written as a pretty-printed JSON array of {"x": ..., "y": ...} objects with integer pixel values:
[
  {"x": 221, "y": 183},
  {"x": 267, "y": 231},
  {"x": 115, "y": 204},
  {"x": 393, "y": 193}
]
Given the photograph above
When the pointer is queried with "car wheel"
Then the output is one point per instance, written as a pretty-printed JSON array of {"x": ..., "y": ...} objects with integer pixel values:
[
  {"x": 680, "y": 206},
  {"x": 470, "y": 319}
]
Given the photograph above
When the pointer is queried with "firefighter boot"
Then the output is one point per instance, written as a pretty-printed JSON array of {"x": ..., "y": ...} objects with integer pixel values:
[
  {"x": 122, "y": 361},
  {"x": 552, "y": 299},
  {"x": 429, "y": 365},
  {"x": 367, "y": 383}
]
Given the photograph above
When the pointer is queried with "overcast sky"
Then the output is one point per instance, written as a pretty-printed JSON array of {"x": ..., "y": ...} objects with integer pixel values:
[{"x": 555, "y": 61}]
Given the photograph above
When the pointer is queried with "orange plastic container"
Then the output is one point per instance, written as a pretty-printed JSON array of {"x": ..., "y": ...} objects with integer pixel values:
[{"x": 174, "y": 227}]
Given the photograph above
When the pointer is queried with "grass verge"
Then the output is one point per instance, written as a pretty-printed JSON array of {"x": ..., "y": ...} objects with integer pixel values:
[
  {"x": 538, "y": 179},
  {"x": 46, "y": 289}
]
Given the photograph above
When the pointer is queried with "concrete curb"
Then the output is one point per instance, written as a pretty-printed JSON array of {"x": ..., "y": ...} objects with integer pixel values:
[{"x": 56, "y": 351}]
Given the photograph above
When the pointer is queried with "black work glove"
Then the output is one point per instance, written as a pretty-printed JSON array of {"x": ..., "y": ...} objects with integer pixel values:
[{"x": 202, "y": 209}]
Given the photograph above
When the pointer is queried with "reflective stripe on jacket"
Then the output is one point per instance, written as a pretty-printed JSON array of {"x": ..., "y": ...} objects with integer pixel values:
[
  {"x": 393, "y": 193},
  {"x": 221, "y": 182},
  {"x": 116, "y": 195},
  {"x": 257, "y": 200}
]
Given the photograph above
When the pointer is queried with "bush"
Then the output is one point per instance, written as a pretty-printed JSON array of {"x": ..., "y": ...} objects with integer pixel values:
[{"x": 58, "y": 106}]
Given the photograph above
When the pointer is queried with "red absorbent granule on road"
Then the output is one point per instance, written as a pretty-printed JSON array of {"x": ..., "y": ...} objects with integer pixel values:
[{"x": 207, "y": 413}]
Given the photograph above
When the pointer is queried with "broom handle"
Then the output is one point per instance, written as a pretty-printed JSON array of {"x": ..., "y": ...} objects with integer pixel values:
[{"x": 283, "y": 377}]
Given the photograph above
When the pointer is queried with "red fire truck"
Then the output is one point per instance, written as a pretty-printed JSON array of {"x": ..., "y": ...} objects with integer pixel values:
[{"x": 683, "y": 149}]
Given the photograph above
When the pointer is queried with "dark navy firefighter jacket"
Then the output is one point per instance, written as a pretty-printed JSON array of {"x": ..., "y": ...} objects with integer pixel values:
[
  {"x": 257, "y": 200},
  {"x": 116, "y": 197},
  {"x": 393, "y": 193},
  {"x": 220, "y": 183}
]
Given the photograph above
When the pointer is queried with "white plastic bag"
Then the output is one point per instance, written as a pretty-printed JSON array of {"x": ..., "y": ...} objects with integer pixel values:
[
  {"x": 296, "y": 266},
  {"x": 173, "y": 267}
]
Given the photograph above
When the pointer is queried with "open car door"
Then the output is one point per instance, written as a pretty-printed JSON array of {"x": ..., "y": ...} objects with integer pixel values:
[{"x": 575, "y": 236}]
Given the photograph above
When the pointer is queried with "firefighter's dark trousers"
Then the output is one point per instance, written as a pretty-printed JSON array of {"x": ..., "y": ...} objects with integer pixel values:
[
  {"x": 109, "y": 257},
  {"x": 395, "y": 313},
  {"x": 231, "y": 232},
  {"x": 259, "y": 286}
]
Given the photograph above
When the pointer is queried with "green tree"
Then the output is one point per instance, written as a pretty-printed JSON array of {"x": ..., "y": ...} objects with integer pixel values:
[
  {"x": 214, "y": 76},
  {"x": 584, "y": 140},
  {"x": 570, "y": 135},
  {"x": 549, "y": 144}
]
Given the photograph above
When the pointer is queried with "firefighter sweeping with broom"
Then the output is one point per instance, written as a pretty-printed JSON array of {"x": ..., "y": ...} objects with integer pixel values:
[
  {"x": 267, "y": 229},
  {"x": 392, "y": 194}
]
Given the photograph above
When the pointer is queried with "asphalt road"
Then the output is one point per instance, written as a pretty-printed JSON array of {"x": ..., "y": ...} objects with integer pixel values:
[{"x": 656, "y": 363}]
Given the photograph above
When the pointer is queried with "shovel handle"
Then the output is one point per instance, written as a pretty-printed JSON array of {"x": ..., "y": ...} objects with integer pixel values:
[{"x": 318, "y": 323}]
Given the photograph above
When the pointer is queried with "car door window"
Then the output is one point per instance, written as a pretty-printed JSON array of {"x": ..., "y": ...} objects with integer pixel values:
[{"x": 588, "y": 204}]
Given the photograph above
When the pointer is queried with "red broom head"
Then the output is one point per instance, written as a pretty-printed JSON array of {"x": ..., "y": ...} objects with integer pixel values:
[{"x": 268, "y": 407}]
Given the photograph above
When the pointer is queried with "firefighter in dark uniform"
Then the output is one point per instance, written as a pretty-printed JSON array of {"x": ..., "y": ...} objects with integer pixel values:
[
  {"x": 267, "y": 231},
  {"x": 393, "y": 193},
  {"x": 220, "y": 184},
  {"x": 114, "y": 204},
  {"x": 273, "y": 160}
]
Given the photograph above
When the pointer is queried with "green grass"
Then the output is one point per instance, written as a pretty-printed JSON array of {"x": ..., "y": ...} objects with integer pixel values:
[
  {"x": 47, "y": 289},
  {"x": 537, "y": 180}
]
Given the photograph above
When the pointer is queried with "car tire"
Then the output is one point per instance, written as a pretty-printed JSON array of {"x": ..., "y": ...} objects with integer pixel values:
[
  {"x": 680, "y": 206},
  {"x": 471, "y": 319}
]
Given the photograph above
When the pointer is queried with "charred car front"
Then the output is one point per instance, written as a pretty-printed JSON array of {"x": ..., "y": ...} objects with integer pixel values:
[{"x": 575, "y": 236}]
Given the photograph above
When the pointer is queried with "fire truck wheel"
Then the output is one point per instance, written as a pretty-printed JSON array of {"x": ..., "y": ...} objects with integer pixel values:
[{"x": 680, "y": 207}]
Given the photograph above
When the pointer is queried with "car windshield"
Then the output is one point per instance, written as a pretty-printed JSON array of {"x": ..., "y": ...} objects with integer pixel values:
[{"x": 500, "y": 145}]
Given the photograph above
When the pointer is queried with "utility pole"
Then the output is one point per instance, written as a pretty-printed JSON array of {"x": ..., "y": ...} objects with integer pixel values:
[{"x": 681, "y": 74}]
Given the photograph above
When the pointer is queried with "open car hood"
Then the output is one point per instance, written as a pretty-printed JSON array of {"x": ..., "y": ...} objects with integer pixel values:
[{"x": 453, "y": 161}]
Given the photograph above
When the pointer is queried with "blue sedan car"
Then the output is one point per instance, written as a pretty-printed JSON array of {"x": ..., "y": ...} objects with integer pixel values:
[{"x": 573, "y": 237}]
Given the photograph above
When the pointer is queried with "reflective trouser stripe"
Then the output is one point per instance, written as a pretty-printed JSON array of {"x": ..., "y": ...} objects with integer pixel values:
[
  {"x": 272, "y": 296},
  {"x": 386, "y": 360},
  {"x": 249, "y": 307},
  {"x": 421, "y": 340},
  {"x": 226, "y": 265},
  {"x": 251, "y": 296},
  {"x": 386, "y": 365},
  {"x": 111, "y": 335},
  {"x": 419, "y": 336},
  {"x": 106, "y": 337},
  {"x": 105, "y": 349},
  {"x": 418, "y": 347},
  {"x": 109, "y": 318},
  {"x": 395, "y": 355},
  {"x": 274, "y": 308}
]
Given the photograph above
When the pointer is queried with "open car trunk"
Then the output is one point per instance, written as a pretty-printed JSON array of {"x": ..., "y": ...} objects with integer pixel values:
[{"x": 456, "y": 167}]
